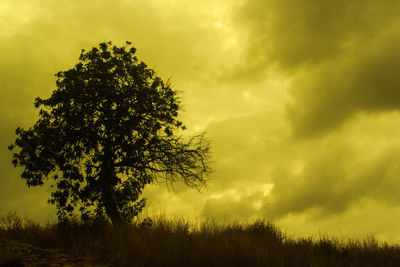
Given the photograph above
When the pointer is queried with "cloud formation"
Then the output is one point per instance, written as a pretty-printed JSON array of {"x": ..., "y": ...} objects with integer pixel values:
[
  {"x": 284, "y": 176},
  {"x": 341, "y": 56}
]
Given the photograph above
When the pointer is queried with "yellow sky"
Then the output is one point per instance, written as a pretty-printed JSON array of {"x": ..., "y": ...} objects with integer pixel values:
[{"x": 301, "y": 100}]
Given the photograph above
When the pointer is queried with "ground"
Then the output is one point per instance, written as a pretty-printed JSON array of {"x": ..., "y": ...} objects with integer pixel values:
[{"x": 18, "y": 253}]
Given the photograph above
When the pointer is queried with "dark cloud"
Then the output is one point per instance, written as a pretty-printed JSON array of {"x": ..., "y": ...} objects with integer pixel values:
[
  {"x": 365, "y": 80},
  {"x": 277, "y": 177},
  {"x": 335, "y": 180},
  {"x": 341, "y": 54},
  {"x": 292, "y": 32}
]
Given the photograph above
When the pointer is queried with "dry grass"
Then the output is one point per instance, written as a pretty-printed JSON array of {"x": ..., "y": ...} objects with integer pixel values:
[{"x": 178, "y": 243}]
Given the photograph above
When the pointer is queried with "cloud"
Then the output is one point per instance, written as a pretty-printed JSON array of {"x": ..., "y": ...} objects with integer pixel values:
[
  {"x": 365, "y": 80},
  {"x": 341, "y": 56},
  {"x": 277, "y": 177},
  {"x": 292, "y": 33}
]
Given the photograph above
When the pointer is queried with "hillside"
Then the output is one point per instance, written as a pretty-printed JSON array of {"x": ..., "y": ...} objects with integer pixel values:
[{"x": 178, "y": 243}]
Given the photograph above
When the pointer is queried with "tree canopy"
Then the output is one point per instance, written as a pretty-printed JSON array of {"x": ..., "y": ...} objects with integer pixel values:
[{"x": 109, "y": 128}]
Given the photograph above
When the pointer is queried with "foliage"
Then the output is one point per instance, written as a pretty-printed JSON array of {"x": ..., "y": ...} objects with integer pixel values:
[{"x": 110, "y": 128}]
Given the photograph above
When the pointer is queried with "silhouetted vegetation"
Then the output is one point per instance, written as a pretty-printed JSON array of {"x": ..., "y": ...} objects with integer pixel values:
[
  {"x": 160, "y": 242},
  {"x": 110, "y": 128}
]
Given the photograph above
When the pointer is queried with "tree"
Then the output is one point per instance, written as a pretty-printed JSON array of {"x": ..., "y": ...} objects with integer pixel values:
[{"x": 110, "y": 128}]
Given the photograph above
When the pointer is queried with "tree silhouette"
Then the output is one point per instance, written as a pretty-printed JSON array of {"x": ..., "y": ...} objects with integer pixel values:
[{"x": 108, "y": 129}]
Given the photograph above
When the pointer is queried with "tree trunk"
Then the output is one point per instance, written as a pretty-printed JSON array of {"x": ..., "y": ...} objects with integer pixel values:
[
  {"x": 111, "y": 208},
  {"x": 108, "y": 183},
  {"x": 108, "y": 173}
]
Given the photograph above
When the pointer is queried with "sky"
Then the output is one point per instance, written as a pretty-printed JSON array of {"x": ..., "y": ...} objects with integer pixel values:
[{"x": 300, "y": 99}]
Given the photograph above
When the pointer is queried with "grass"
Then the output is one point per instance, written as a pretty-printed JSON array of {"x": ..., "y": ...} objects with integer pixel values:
[{"x": 162, "y": 242}]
